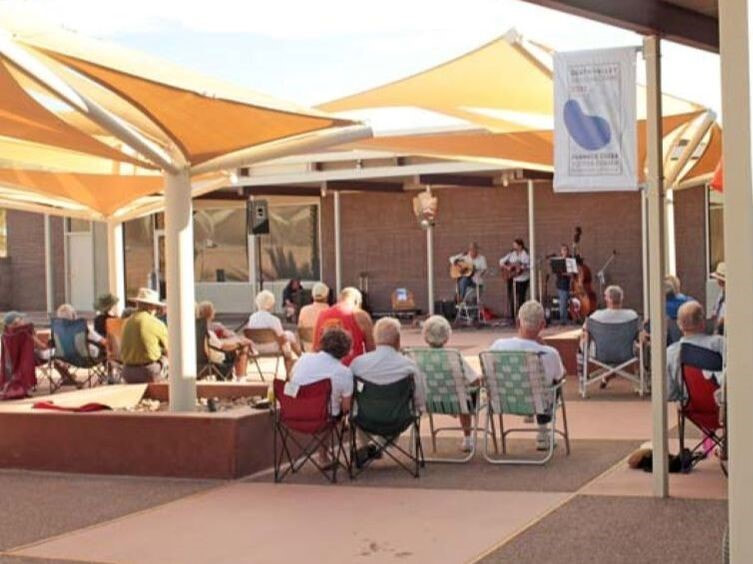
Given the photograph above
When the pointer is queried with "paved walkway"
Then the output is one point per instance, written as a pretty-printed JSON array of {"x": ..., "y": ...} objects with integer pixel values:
[{"x": 588, "y": 507}]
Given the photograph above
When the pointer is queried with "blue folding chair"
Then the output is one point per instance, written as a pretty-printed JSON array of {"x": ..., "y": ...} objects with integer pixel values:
[{"x": 72, "y": 350}]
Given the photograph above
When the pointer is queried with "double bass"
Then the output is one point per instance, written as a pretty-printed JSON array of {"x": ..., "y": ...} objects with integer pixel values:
[{"x": 584, "y": 300}]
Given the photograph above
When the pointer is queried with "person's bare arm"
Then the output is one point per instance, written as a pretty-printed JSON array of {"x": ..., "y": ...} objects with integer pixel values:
[{"x": 364, "y": 322}]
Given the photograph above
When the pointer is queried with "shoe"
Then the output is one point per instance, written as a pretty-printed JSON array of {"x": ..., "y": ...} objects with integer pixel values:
[
  {"x": 542, "y": 441},
  {"x": 466, "y": 445}
]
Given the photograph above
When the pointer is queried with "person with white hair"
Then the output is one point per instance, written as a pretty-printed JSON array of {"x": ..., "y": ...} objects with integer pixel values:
[
  {"x": 347, "y": 315},
  {"x": 614, "y": 312},
  {"x": 692, "y": 323},
  {"x": 531, "y": 321},
  {"x": 310, "y": 313},
  {"x": 95, "y": 341},
  {"x": 385, "y": 364},
  {"x": 263, "y": 318},
  {"x": 436, "y": 333}
]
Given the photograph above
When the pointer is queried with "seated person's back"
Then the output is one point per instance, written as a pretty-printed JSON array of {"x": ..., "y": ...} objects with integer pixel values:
[
  {"x": 385, "y": 364},
  {"x": 347, "y": 315},
  {"x": 692, "y": 323},
  {"x": 614, "y": 312},
  {"x": 144, "y": 339},
  {"x": 325, "y": 364},
  {"x": 309, "y": 314}
]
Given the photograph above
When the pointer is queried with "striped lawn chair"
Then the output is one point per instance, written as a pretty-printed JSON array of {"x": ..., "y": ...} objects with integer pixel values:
[
  {"x": 447, "y": 392},
  {"x": 515, "y": 385}
]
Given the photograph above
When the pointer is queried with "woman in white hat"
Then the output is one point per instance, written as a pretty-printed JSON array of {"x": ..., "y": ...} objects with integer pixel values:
[{"x": 144, "y": 342}]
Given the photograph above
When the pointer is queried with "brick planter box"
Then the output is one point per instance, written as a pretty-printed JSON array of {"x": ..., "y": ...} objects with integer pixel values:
[{"x": 221, "y": 445}]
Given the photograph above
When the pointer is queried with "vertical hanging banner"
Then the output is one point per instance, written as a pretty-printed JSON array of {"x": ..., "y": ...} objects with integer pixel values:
[{"x": 595, "y": 141}]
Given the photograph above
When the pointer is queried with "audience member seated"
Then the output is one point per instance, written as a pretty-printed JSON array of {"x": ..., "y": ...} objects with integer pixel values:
[
  {"x": 385, "y": 364},
  {"x": 347, "y": 315},
  {"x": 614, "y": 312},
  {"x": 291, "y": 299},
  {"x": 436, "y": 333},
  {"x": 310, "y": 313},
  {"x": 531, "y": 321},
  {"x": 220, "y": 337},
  {"x": 42, "y": 351},
  {"x": 96, "y": 341},
  {"x": 692, "y": 322},
  {"x": 674, "y": 297},
  {"x": 106, "y": 308},
  {"x": 143, "y": 347},
  {"x": 717, "y": 315},
  {"x": 263, "y": 318},
  {"x": 334, "y": 345}
]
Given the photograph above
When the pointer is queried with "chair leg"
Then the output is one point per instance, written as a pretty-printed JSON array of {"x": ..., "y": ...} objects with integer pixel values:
[
  {"x": 433, "y": 434},
  {"x": 564, "y": 424},
  {"x": 502, "y": 434},
  {"x": 258, "y": 369},
  {"x": 490, "y": 417}
]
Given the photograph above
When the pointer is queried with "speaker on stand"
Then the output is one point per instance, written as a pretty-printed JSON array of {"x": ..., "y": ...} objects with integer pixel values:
[{"x": 257, "y": 223}]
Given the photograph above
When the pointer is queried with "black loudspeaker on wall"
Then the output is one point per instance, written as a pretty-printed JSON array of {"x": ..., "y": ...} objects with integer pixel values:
[{"x": 257, "y": 215}]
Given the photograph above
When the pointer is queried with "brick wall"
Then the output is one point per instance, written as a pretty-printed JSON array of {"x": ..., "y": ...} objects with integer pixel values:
[
  {"x": 6, "y": 287},
  {"x": 381, "y": 236},
  {"x": 690, "y": 221},
  {"x": 26, "y": 251}
]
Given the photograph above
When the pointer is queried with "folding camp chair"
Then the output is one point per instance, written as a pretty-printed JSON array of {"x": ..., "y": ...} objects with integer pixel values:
[
  {"x": 265, "y": 337},
  {"x": 447, "y": 393},
  {"x": 114, "y": 329},
  {"x": 699, "y": 404},
  {"x": 17, "y": 363},
  {"x": 305, "y": 410},
  {"x": 382, "y": 413},
  {"x": 515, "y": 385},
  {"x": 204, "y": 365},
  {"x": 306, "y": 338},
  {"x": 611, "y": 347},
  {"x": 72, "y": 349}
]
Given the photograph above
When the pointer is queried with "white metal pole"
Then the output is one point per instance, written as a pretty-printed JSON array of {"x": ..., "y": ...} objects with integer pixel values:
[
  {"x": 338, "y": 247},
  {"x": 48, "y": 278},
  {"x": 430, "y": 268},
  {"x": 736, "y": 22},
  {"x": 179, "y": 275},
  {"x": 532, "y": 241},
  {"x": 644, "y": 250},
  {"x": 670, "y": 252},
  {"x": 115, "y": 267},
  {"x": 652, "y": 54}
]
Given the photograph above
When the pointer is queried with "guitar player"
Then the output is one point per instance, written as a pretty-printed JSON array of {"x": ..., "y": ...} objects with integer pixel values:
[
  {"x": 515, "y": 267},
  {"x": 468, "y": 268}
]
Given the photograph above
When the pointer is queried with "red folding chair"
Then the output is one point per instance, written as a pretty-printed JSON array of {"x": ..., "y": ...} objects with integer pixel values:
[
  {"x": 17, "y": 362},
  {"x": 306, "y": 414},
  {"x": 699, "y": 404}
]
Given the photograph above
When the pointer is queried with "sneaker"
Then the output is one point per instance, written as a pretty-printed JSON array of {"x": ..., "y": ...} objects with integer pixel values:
[
  {"x": 542, "y": 440},
  {"x": 466, "y": 445}
]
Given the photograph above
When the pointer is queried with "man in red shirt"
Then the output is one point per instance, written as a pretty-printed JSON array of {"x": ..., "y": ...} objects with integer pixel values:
[{"x": 347, "y": 315}]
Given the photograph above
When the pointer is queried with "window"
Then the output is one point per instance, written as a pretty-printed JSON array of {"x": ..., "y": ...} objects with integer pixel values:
[
  {"x": 220, "y": 245},
  {"x": 139, "y": 253},
  {"x": 291, "y": 250},
  {"x": 79, "y": 225},
  {"x": 3, "y": 234}
]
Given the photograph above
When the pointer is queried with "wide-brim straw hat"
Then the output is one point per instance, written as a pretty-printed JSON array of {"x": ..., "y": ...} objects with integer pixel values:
[
  {"x": 148, "y": 296},
  {"x": 105, "y": 302},
  {"x": 721, "y": 272}
]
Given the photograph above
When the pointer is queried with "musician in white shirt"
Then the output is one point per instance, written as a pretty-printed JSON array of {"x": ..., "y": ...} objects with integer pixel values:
[
  {"x": 476, "y": 278},
  {"x": 517, "y": 261}
]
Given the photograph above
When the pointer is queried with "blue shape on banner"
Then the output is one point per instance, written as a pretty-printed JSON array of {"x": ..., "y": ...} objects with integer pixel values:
[{"x": 590, "y": 132}]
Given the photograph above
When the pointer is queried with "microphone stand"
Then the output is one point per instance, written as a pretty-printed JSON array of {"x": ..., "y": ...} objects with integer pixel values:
[{"x": 602, "y": 271}]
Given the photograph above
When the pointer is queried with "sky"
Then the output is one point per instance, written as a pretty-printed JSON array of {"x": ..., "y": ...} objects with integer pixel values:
[{"x": 313, "y": 51}]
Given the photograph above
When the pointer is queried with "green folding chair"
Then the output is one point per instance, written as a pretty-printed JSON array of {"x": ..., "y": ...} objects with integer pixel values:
[
  {"x": 381, "y": 413},
  {"x": 515, "y": 385},
  {"x": 447, "y": 393}
]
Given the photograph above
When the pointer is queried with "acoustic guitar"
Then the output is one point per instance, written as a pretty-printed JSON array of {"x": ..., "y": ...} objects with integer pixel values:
[
  {"x": 461, "y": 268},
  {"x": 509, "y": 271}
]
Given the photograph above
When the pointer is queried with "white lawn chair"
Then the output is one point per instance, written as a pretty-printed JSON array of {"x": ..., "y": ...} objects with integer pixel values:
[
  {"x": 515, "y": 385},
  {"x": 611, "y": 347}
]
